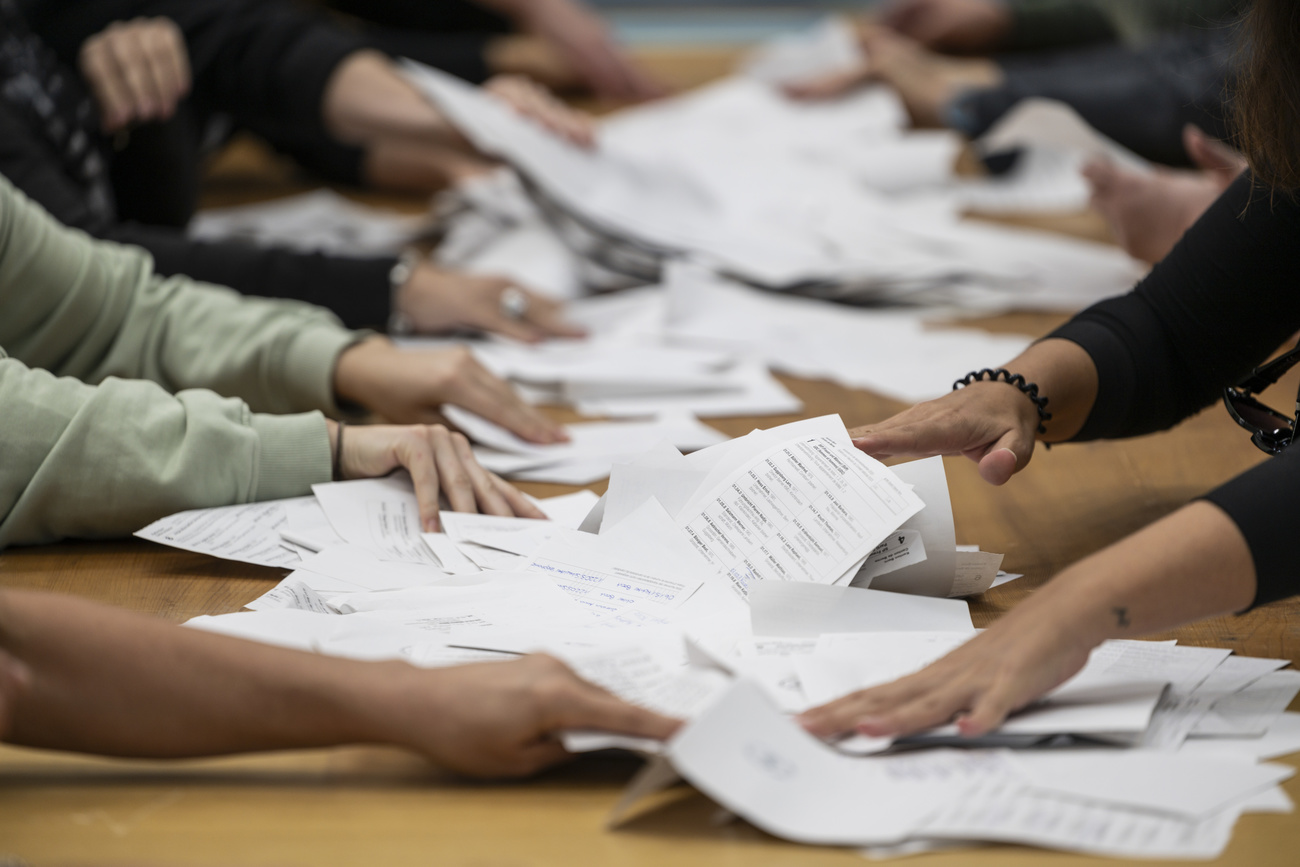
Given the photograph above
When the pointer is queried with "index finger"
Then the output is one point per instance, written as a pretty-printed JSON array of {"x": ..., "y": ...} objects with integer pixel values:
[
  {"x": 496, "y": 401},
  {"x": 590, "y": 707},
  {"x": 416, "y": 454}
]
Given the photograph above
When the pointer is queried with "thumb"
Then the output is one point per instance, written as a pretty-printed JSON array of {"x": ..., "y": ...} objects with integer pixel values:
[{"x": 1006, "y": 457}]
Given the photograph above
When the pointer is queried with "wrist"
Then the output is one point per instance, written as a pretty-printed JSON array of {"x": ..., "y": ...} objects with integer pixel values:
[
  {"x": 1067, "y": 377},
  {"x": 360, "y": 371}
]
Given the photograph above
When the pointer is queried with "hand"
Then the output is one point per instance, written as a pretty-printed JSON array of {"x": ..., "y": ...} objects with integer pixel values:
[
  {"x": 500, "y": 719},
  {"x": 439, "y": 461},
  {"x": 954, "y": 26},
  {"x": 439, "y": 300},
  {"x": 14, "y": 679},
  {"x": 1001, "y": 670},
  {"x": 1148, "y": 212},
  {"x": 408, "y": 386},
  {"x": 584, "y": 41},
  {"x": 138, "y": 71},
  {"x": 992, "y": 423},
  {"x": 538, "y": 104},
  {"x": 926, "y": 82}
]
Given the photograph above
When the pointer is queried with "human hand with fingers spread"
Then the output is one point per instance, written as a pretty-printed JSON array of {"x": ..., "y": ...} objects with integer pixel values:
[
  {"x": 1192, "y": 564},
  {"x": 138, "y": 71},
  {"x": 434, "y": 300},
  {"x": 409, "y": 387},
  {"x": 993, "y": 423},
  {"x": 441, "y": 464}
]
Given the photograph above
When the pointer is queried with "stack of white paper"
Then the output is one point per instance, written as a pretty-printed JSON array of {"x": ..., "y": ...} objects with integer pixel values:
[
  {"x": 718, "y": 587},
  {"x": 849, "y": 203}
]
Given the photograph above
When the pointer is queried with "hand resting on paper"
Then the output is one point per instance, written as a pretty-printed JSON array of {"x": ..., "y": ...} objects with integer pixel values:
[
  {"x": 77, "y": 675},
  {"x": 409, "y": 386},
  {"x": 436, "y": 300},
  {"x": 1189, "y": 565},
  {"x": 440, "y": 463},
  {"x": 993, "y": 423}
]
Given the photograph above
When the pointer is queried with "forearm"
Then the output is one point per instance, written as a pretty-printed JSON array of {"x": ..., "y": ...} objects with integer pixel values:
[
  {"x": 1190, "y": 565},
  {"x": 1215, "y": 307},
  {"x": 367, "y": 102},
  {"x": 108, "y": 681},
  {"x": 1066, "y": 376},
  {"x": 102, "y": 461}
]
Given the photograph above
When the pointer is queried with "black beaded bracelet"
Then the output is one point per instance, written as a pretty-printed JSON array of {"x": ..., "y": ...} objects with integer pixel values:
[
  {"x": 338, "y": 452},
  {"x": 1030, "y": 389}
]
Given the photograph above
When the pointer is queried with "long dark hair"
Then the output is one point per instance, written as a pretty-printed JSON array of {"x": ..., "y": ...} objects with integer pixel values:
[{"x": 1268, "y": 95}]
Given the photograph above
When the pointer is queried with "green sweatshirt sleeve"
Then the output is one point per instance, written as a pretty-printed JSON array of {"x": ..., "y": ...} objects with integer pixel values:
[
  {"x": 125, "y": 396},
  {"x": 1038, "y": 24}
]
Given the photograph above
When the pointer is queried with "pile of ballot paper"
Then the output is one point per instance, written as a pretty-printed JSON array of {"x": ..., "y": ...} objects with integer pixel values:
[
  {"x": 753, "y": 579},
  {"x": 837, "y": 198}
]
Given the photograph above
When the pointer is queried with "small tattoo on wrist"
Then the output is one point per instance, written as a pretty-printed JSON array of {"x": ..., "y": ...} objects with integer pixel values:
[{"x": 1121, "y": 617}]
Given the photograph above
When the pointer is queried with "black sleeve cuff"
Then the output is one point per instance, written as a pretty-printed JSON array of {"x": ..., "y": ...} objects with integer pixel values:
[
  {"x": 1261, "y": 502},
  {"x": 358, "y": 290}
]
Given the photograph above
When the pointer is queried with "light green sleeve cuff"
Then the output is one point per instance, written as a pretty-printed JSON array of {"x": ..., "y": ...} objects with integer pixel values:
[
  {"x": 310, "y": 363},
  {"x": 294, "y": 454}
]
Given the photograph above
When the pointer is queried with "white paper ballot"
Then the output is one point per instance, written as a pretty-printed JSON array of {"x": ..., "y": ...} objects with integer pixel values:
[
  {"x": 294, "y": 593},
  {"x": 643, "y": 560},
  {"x": 380, "y": 515},
  {"x": 248, "y": 533},
  {"x": 935, "y": 573},
  {"x": 803, "y": 610},
  {"x": 806, "y": 510},
  {"x": 568, "y": 510},
  {"x": 520, "y": 536},
  {"x": 1186, "y": 786},
  {"x": 749, "y": 757}
]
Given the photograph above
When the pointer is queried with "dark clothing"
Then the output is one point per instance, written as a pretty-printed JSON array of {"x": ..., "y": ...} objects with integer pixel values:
[
  {"x": 265, "y": 63},
  {"x": 1217, "y": 306},
  {"x": 1141, "y": 97},
  {"x": 50, "y": 148},
  {"x": 451, "y": 35}
]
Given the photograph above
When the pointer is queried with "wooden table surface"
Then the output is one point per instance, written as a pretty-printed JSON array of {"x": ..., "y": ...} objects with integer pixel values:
[{"x": 384, "y": 807}]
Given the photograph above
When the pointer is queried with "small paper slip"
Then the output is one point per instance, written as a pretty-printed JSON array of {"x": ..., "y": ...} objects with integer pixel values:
[
  {"x": 976, "y": 572},
  {"x": 803, "y": 510}
]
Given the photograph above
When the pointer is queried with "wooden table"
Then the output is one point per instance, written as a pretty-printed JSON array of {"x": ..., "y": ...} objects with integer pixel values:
[{"x": 383, "y": 807}]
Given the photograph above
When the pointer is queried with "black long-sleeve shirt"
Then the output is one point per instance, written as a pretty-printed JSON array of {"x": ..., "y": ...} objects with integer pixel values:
[
  {"x": 44, "y": 111},
  {"x": 1224, "y": 299}
]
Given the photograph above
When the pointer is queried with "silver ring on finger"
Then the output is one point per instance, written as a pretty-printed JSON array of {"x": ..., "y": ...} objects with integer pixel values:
[{"x": 514, "y": 303}]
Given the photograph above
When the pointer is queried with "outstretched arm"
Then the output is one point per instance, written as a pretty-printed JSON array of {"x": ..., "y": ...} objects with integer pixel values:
[
  {"x": 1191, "y": 565},
  {"x": 86, "y": 677}
]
